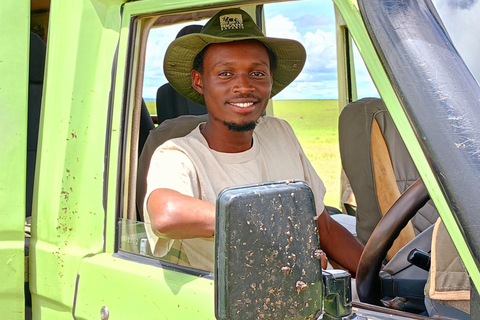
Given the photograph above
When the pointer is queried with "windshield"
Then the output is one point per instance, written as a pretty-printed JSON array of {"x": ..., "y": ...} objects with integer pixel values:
[
  {"x": 439, "y": 97},
  {"x": 459, "y": 18}
]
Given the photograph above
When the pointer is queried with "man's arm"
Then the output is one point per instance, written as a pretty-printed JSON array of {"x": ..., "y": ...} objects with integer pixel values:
[
  {"x": 178, "y": 216},
  {"x": 338, "y": 243}
]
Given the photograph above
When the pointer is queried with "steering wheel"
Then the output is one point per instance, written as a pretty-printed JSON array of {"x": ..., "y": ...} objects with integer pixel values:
[{"x": 387, "y": 230}]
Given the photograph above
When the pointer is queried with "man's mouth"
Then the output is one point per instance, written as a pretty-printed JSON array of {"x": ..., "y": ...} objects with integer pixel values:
[{"x": 242, "y": 104}]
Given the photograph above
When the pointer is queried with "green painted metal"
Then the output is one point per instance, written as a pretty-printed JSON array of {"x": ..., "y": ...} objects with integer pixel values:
[
  {"x": 14, "y": 55},
  {"x": 132, "y": 290},
  {"x": 69, "y": 220},
  {"x": 86, "y": 97},
  {"x": 355, "y": 24}
]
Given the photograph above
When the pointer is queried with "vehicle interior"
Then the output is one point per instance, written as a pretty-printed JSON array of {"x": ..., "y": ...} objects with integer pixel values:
[
  {"x": 377, "y": 165},
  {"x": 379, "y": 170}
]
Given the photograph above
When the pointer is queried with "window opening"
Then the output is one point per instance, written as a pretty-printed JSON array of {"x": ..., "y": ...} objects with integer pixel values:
[
  {"x": 365, "y": 86},
  {"x": 132, "y": 236},
  {"x": 310, "y": 103}
]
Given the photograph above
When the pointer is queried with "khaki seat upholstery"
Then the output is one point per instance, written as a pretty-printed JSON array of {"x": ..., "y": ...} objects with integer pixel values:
[{"x": 378, "y": 166}]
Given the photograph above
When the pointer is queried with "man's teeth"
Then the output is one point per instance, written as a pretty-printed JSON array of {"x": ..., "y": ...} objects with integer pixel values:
[{"x": 243, "y": 104}]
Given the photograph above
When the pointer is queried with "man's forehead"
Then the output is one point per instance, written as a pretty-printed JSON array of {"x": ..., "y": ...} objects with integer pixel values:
[{"x": 238, "y": 46}]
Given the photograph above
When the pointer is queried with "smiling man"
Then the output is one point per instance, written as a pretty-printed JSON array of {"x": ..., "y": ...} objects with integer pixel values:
[{"x": 233, "y": 69}]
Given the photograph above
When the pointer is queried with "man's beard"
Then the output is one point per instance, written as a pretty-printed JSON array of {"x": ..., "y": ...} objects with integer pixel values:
[{"x": 242, "y": 127}]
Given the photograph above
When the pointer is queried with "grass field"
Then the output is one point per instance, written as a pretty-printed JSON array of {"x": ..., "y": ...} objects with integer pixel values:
[{"x": 315, "y": 124}]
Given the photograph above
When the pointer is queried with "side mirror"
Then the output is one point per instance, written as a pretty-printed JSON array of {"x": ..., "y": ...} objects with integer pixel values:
[{"x": 266, "y": 239}]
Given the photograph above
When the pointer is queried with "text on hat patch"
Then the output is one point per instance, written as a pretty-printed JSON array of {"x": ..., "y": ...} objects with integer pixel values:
[{"x": 231, "y": 21}]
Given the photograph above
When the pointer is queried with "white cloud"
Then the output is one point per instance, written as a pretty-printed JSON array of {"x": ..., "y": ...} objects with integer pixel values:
[
  {"x": 321, "y": 48},
  {"x": 318, "y": 79},
  {"x": 460, "y": 18},
  {"x": 282, "y": 27}
]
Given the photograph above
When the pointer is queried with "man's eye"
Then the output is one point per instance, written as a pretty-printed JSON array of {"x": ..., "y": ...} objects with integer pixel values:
[
  {"x": 225, "y": 74},
  {"x": 258, "y": 74}
]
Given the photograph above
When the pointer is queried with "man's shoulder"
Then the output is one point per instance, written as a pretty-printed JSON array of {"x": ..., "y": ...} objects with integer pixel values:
[
  {"x": 271, "y": 121},
  {"x": 172, "y": 129},
  {"x": 273, "y": 124}
]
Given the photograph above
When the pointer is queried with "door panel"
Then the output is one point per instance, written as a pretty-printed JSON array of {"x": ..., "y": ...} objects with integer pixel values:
[
  {"x": 133, "y": 290},
  {"x": 14, "y": 55}
]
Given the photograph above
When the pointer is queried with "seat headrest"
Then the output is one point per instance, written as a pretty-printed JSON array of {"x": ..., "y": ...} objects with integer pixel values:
[{"x": 194, "y": 28}]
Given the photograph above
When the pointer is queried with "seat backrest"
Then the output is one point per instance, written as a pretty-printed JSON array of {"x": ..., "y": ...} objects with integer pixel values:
[
  {"x": 169, "y": 129},
  {"x": 368, "y": 139},
  {"x": 35, "y": 89},
  {"x": 170, "y": 103}
]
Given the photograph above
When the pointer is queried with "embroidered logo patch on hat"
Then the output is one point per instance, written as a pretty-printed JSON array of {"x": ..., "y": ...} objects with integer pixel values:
[{"x": 231, "y": 22}]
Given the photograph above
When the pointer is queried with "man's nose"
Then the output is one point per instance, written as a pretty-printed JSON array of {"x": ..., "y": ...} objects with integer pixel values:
[{"x": 243, "y": 84}]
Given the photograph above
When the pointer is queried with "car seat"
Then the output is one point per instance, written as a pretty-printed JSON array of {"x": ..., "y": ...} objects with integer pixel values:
[
  {"x": 170, "y": 103},
  {"x": 360, "y": 124},
  {"x": 379, "y": 169},
  {"x": 378, "y": 166}
]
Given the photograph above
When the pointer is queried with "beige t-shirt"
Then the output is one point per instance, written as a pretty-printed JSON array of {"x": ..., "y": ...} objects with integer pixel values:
[{"x": 189, "y": 166}]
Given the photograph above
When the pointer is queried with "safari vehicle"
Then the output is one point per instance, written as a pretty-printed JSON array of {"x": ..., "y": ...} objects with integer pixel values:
[{"x": 86, "y": 257}]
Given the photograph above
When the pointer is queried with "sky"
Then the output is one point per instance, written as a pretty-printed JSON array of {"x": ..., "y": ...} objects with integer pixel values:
[{"x": 312, "y": 22}]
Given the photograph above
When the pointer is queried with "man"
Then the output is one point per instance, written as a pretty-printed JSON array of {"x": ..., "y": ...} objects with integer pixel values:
[{"x": 233, "y": 69}]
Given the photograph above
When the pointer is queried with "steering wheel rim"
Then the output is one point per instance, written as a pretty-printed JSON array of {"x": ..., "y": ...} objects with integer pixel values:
[{"x": 382, "y": 238}]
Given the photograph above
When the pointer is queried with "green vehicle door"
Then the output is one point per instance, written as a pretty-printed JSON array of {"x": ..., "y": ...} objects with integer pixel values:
[
  {"x": 14, "y": 53},
  {"x": 88, "y": 258}
]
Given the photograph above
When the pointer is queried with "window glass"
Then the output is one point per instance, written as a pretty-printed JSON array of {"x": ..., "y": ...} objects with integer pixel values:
[
  {"x": 460, "y": 20},
  {"x": 158, "y": 41},
  {"x": 365, "y": 86},
  {"x": 133, "y": 238}
]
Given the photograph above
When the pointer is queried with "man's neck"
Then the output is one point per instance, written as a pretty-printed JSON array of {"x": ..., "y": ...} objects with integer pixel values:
[{"x": 222, "y": 139}]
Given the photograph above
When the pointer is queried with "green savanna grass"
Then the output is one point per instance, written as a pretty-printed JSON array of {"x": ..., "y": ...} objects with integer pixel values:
[
  {"x": 315, "y": 123},
  {"x": 151, "y": 106}
]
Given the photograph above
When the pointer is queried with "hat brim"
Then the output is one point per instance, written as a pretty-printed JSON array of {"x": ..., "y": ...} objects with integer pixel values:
[{"x": 179, "y": 57}]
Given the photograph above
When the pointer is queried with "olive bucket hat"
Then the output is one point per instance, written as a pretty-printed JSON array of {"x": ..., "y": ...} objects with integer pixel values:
[{"x": 226, "y": 26}]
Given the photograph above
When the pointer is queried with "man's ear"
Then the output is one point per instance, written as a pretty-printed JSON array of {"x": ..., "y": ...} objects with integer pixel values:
[{"x": 197, "y": 83}]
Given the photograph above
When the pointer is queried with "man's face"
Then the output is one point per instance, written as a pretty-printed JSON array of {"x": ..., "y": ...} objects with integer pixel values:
[{"x": 236, "y": 83}]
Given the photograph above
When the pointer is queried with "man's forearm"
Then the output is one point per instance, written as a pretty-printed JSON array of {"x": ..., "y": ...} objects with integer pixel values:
[
  {"x": 178, "y": 216},
  {"x": 339, "y": 244}
]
